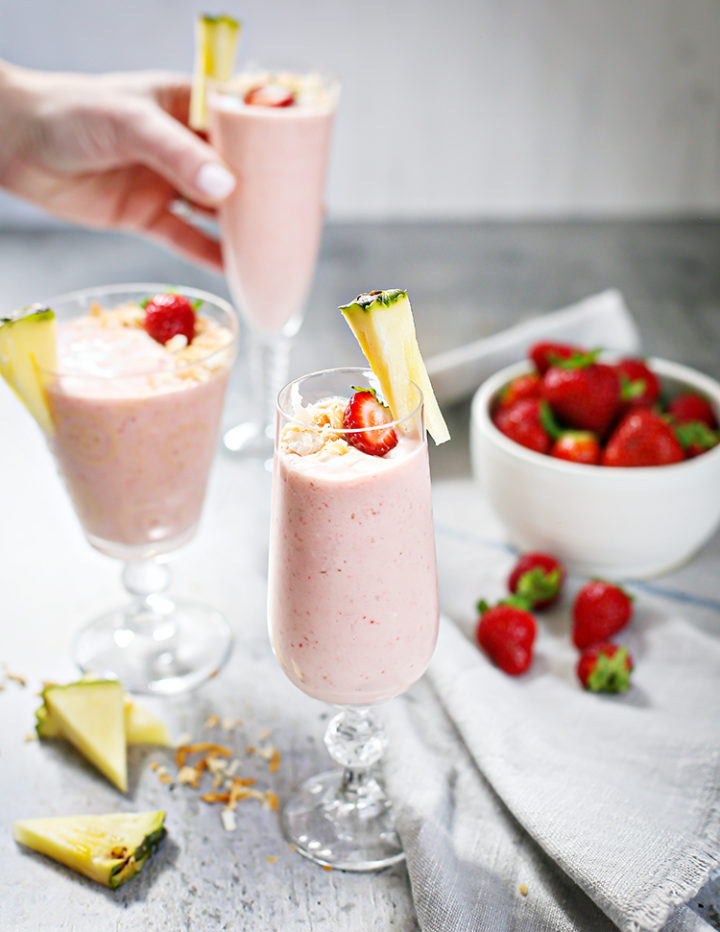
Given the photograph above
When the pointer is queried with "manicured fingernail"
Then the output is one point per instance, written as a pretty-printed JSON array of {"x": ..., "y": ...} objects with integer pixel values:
[{"x": 214, "y": 181}]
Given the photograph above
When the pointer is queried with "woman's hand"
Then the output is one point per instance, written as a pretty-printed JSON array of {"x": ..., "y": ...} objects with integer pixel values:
[{"x": 110, "y": 151}]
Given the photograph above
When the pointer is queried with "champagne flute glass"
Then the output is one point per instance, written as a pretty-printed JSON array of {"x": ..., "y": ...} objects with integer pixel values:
[
  {"x": 135, "y": 433},
  {"x": 352, "y": 603},
  {"x": 272, "y": 223}
]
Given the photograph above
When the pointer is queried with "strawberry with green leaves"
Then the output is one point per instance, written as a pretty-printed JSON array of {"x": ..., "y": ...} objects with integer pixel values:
[
  {"x": 546, "y": 354},
  {"x": 639, "y": 386},
  {"x": 695, "y": 437},
  {"x": 605, "y": 668},
  {"x": 506, "y": 632},
  {"x": 582, "y": 393},
  {"x": 537, "y": 578},
  {"x": 692, "y": 407},
  {"x": 642, "y": 438},
  {"x": 600, "y": 611},
  {"x": 522, "y": 422},
  {"x": 520, "y": 388}
]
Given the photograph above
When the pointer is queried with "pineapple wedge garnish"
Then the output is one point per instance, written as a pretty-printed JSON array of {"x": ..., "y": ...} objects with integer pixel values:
[
  {"x": 107, "y": 848},
  {"x": 383, "y": 323},
  {"x": 28, "y": 347},
  {"x": 91, "y": 715},
  {"x": 216, "y": 39},
  {"x": 141, "y": 726}
]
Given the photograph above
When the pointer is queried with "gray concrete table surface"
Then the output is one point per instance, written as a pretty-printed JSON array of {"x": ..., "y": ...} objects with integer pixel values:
[{"x": 466, "y": 280}]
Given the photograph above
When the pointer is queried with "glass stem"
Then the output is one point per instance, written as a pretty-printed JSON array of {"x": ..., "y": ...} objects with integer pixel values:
[
  {"x": 355, "y": 739},
  {"x": 145, "y": 581},
  {"x": 269, "y": 364}
]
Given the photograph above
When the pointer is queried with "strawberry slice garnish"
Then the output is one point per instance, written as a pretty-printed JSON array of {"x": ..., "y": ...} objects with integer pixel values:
[
  {"x": 365, "y": 417},
  {"x": 270, "y": 95},
  {"x": 167, "y": 315}
]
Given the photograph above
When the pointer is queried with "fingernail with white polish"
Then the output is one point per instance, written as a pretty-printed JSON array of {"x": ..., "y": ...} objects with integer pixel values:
[{"x": 214, "y": 181}]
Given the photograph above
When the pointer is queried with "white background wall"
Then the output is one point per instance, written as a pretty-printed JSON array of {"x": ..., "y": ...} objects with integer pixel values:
[{"x": 455, "y": 108}]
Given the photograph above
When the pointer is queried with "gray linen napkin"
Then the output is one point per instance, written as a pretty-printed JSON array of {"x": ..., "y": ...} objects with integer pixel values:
[{"x": 497, "y": 782}]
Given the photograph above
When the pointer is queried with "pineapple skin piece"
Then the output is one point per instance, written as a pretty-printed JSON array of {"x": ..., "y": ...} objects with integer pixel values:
[
  {"x": 28, "y": 343},
  {"x": 109, "y": 849},
  {"x": 91, "y": 716},
  {"x": 383, "y": 324}
]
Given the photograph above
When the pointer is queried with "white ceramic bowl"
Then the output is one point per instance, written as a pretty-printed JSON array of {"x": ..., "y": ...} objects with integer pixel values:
[{"x": 617, "y": 523}]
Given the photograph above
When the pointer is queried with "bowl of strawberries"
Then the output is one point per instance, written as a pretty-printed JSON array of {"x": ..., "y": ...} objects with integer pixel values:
[{"x": 611, "y": 463}]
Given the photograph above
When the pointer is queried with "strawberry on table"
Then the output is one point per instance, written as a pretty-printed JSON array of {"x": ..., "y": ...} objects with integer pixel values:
[
  {"x": 537, "y": 578},
  {"x": 506, "y": 633},
  {"x": 601, "y": 609},
  {"x": 272, "y": 94},
  {"x": 577, "y": 446},
  {"x": 640, "y": 387},
  {"x": 544, "y": 354},
  {"x": 523, "y": 423},
  {"x": 642, "y": 438},
  {"x": 167, "y": 315},
  {"x": 692, "y": 407},
  {"x": 366, "y": 416},
  {"x": 524, "y": 386},
  {"x": 583, "y": 393},
  {"x": 605, "y": 667}
]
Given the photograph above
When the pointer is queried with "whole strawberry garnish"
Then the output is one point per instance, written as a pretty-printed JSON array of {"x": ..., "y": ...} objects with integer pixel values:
[
  {"x": 522, "y": 423},
  {"x": 692, "y": 407},
  {"x": 695, "y": 437},
  {"x": 642, "y": 438},
  {"x": 365, "y": 416},
  {"x": 271, "y": 94},
  {"x": 600, "y": 610},
  {"x": 605, "y": 668},
  {"x": 524, "y": 386},
  {"x": 167, "y": 315},
  {"x": 577, "y": 446},
  {"x": 546, "y": 354},
  {"x": 583, "y": 393},
  {"x": 640, "y": 387},
  {"x": 537, "y": 579},
  {"x": 507, "y": 633}
]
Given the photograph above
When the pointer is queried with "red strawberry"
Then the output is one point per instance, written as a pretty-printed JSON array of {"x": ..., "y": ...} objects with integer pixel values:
[
  {"x": 524, "y": 386},
  {"x": 270, "y": 95},
  {"x": 642, "y": 438},
  {"x": 577, "y": 446},
  {"x": 695, "y": 437},
  {"x": 537, "y": 578},
  {"x": 365, "y": 415},
  {"x": 522, "y": 423},
  {"x": 545, "y": 355},
  {"x": 639, "y": 385},
  {"x": 601, "y": 609},
  {"x": 506, "y": 633},
  {"x": 605, "y": 668},
  {"x": 167, "y": 315},
  {"x": 583, "y": 393},
  {"x": 692, "y": 407}
]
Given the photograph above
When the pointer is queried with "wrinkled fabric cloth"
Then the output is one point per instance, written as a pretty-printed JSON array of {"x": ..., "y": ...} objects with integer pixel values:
[{"x": 527, "y": 803}]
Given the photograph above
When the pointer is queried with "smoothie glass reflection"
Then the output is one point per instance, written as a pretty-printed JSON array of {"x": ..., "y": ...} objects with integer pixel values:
[
  {"x": 352, "y": 603},
  {"x": 271, "y": 224},
  {"x": 135, "y": 434}
]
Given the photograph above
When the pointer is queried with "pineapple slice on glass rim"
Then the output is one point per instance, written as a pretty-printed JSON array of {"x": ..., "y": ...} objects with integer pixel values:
[
  {"x": 383, "y": 324},
  {"x": 216, "y": 39},
  {"x": 28, "y": 349}
]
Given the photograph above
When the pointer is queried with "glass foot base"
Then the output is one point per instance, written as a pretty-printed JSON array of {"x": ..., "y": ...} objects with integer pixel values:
[
  {"x": 163, "y": 649},
  {"x": 249, "y": 439},
  {"x": 335, "y": 826}
]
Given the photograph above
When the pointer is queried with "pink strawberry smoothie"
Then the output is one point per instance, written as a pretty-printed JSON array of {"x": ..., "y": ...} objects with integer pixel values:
[
  {"x": 271, "y": 224},
  {"x": 135, "y": 432},
  {"x": 353, "y": 602}
]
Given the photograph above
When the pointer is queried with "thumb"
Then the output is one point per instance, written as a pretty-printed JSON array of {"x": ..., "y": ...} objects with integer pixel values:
[{"x": 155, "y": 139}]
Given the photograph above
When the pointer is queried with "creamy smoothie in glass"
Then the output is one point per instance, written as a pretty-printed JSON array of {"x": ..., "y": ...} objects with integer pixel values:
[
  {"x": 135, "y": 422},
  {"x": 352, "y": 597},
  {"x": 273, "y": 129}
]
